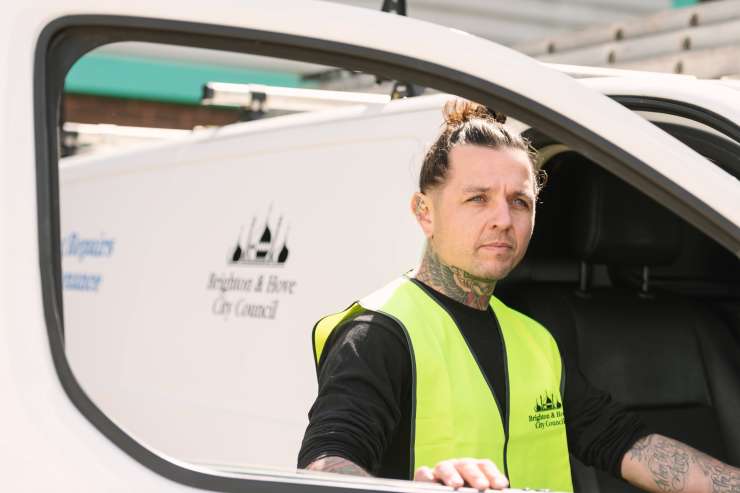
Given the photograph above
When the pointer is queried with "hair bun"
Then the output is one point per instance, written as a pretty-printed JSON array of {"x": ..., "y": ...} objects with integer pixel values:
[{"x": 458, "y": 111}]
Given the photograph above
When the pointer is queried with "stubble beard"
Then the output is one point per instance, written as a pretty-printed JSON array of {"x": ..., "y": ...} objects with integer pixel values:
[{"x": 494, "y": 270}]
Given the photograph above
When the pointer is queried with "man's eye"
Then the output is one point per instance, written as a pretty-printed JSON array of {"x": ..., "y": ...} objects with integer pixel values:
[
  {"x": 521, "y": 203},
  {"x": 477, "y": 198}
]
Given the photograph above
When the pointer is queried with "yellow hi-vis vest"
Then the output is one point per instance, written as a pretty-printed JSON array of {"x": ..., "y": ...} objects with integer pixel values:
[{"x": 454, "y": 411}]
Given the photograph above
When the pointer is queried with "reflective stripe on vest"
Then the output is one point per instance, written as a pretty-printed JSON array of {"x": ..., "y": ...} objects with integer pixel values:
[{"x": 454, "y": 411}]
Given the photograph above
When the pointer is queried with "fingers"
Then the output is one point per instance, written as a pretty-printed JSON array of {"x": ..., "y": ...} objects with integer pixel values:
[
  {"x": 495, "y": 477},
  {"x": 446, "y": 473},
  {"x": 480, "y": 474},
  {"x": 424, "y": 474},
  {"x": 472, "y": 474}
]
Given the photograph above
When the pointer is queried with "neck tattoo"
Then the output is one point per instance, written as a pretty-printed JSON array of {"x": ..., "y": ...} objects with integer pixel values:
[{"x": 454, "y": 282}]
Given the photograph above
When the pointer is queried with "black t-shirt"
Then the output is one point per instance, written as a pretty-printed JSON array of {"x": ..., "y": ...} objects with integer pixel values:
[{"x": 363, "y": 409}]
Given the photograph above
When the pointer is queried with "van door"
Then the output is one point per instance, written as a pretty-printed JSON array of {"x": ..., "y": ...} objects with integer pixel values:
[{"x": 359, "y": 39}]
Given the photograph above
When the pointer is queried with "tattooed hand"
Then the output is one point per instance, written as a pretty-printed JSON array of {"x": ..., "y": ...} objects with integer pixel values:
[{"x": 663, "y": 465}]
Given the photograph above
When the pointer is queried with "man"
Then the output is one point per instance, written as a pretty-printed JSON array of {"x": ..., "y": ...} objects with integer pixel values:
[{"x": 427, "y": 378}]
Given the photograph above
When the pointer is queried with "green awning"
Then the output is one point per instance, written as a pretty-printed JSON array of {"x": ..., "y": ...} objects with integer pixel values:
[
  {"x": 160, "y": 80},
  {"x": 677, "y": 4}
]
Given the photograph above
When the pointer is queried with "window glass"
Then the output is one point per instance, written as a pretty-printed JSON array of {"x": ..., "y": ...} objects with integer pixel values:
[{"x": 213, "y": 207}]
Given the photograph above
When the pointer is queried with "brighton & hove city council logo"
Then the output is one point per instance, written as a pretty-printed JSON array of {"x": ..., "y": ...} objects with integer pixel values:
[
  {"x": 267, "y": 250},
  {"x": 548, "y": 411},
  {"x": 253, "y": 293}
]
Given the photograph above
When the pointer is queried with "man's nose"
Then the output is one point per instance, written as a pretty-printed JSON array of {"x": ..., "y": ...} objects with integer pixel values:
[{"x": 500, "y": 214}]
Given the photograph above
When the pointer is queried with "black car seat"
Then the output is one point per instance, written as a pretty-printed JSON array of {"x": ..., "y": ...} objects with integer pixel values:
[{"x": 669, "y": 356}]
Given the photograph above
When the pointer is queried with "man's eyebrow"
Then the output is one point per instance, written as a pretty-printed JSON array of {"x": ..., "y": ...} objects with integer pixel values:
[
  {"x": 522, "y": 193},
  {"x": 475, "y": 189}
]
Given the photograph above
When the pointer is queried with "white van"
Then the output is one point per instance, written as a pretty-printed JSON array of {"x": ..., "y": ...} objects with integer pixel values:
[{"x": 177, "y": 284}]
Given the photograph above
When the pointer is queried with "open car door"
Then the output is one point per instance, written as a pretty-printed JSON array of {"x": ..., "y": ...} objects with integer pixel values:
[{"x": 357, "y": 39}]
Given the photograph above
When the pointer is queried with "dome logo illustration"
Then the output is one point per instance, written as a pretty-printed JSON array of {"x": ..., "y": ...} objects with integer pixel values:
[
  {"x": 547, "y": 402},
  {"x": 268, "y": 247},
  {"x": 548, "y": 411}
]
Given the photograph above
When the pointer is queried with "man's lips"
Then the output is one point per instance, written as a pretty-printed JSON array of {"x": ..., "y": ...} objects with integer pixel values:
[{"x": 497, "y": 245}]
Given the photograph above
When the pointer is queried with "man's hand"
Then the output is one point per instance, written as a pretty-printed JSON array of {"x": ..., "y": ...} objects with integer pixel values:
[{"x": 480, "y": 474}]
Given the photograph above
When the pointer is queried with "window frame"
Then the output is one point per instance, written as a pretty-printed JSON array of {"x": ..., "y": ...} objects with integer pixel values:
[
  {"x": 722, "y": 152},
  {"x": 681, "y": 109},
  {"x": 65, "y": 39}
]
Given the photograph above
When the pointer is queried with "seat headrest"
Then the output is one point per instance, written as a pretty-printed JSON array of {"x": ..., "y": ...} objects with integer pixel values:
[{"x": 617, "y": 224}]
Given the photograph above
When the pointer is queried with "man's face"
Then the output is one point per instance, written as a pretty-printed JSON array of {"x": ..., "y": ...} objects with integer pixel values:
[{"x": 481, "y": 218}]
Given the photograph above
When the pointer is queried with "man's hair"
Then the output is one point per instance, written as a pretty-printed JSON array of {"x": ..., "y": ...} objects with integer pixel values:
[{"x": 467, "y": 122}]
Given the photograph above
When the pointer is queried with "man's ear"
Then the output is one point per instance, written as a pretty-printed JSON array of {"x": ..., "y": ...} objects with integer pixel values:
[{"x": 421, "y": 208}]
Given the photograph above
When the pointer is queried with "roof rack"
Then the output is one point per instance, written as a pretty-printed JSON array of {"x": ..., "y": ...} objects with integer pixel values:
[
  {"x": 261, "y": 98},
  {"x": 85, "y": 138},
  {"x": 397, "y": 6}
]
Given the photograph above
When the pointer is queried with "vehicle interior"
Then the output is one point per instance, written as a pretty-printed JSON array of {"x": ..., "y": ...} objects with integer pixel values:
[{"x": 642, "y": 302}]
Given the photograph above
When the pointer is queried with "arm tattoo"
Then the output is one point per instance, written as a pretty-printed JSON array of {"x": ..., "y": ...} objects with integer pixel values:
[
  {"x": 668, "y": 462},
  {"x": 724, "y": 479},
  {"x": 338, "y": 465},
  {"x": 455, "y": 282}
]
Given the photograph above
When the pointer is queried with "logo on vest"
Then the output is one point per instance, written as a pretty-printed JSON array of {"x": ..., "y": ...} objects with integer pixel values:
[{"x": 548, "y": 412}]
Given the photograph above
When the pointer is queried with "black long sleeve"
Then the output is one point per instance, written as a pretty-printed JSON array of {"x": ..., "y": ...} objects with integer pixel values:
[
  {"x": 600, "y": 430},
  {"x": 364, "y": 376},
  {"x": 363, "y": 408}
]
